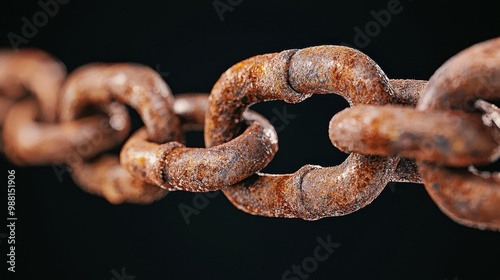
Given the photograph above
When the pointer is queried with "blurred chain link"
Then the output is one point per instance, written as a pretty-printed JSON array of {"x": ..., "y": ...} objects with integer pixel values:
[{"x": 443, "y": 133}]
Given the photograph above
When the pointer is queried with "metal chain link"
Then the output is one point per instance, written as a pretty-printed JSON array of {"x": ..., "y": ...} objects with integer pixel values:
[{"x": 437, "y": 133}]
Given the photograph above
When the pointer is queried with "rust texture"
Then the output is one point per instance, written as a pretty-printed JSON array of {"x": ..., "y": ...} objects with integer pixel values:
[
  {"x": 105, "y": 177},
  {"x": 176, "y": 167},
  {"x": 453, "y": 138},
  {"x": 96, "y": 87},
  {"x": 473, "y": 74},
  {"x": 312, "y": 192},
  {"x": 446, "y": 130},
  {"x": 138, "y": 86},
  {"x": 406, "y": 172}
]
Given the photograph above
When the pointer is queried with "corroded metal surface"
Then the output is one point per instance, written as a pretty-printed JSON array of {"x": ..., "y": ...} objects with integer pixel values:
[
  {"x": 445, "y": 131},
  {"x": 176, "y": 167},
  {"x": 294, "y": 75},
  {"x": 406, "y": 172},
  {"x": 468, "y": 198},
  {"x": 135, "y": 85},
  {"x": 141, "y": 88},
  {"x": 313, "y": 192},
  {"x": 105, "y": 177},
  {"x": 452, "y": 138}
]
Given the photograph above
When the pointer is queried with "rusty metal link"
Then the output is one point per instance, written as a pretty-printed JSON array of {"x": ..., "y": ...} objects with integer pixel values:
[
  {"x": 445, "y": 131},
  {"x": 473, "y": 74},
  {"x": 453, "y": 138},
  {"x": 32, "y": 70},
  {"x": 28, "y": 142},
  {"x": 35, "y": 71},
  {"x": 30, "y": 134},
  {"x": 312, "y": 192},
  {"x": 97, "y": 86},
  {"x": 173, "y": 166}
]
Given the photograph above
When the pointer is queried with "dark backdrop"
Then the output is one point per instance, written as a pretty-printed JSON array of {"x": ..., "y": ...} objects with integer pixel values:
[{"x": 65, "y": 233}]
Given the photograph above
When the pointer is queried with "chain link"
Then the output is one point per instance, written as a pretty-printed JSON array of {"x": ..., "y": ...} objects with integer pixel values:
[
  {"x": 438, "y": 133},
  {"x": 174, "y": 167}
]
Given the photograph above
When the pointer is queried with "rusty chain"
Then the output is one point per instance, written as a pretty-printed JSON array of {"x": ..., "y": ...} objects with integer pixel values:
[{"x": 441, "y": 132}]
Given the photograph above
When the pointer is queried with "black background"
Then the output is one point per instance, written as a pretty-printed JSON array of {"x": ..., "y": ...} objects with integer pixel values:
[{"x": 65, "y": 233}]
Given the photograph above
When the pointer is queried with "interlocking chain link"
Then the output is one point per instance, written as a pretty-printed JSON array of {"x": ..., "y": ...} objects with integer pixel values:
[
  {"x": 437, "y": 132},
  {"x": 312, "y": 192}
]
